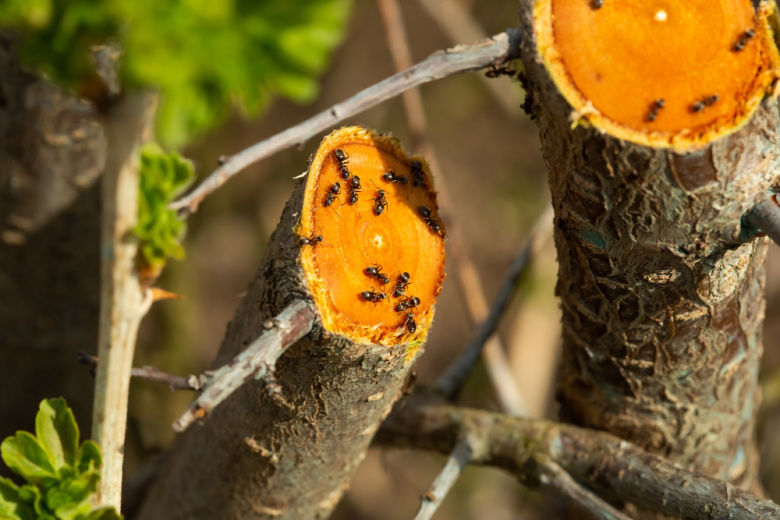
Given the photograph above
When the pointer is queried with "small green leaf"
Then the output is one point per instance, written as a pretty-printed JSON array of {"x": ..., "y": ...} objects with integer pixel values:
[
  {"x": 12, "y": 507},
  {"x": 89, "y": 457},
  {"x": 25, "y": 456},
  {"x": 57, "y": 431},
  {"x": 104, "y": 513}
]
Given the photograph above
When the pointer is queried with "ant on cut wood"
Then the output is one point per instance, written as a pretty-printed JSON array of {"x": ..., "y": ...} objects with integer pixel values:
[
  {"x": 310, "y": 241},
  {"x": 410, "y": 324},
  {"x": 373, "y": 296},
  {"x": 407, "y": 303},
  {"x": 376, "y": 272},
  {"x": 380, "y": 202},
  {"x": 401, "y": 284},
  {"x": 333, "y": 193},
  {"x": 431, "y": 222},
  {"x": 342, "y": 159},
  {"x": 419, "y": 178},
  {"x": 390, "y": 176}
]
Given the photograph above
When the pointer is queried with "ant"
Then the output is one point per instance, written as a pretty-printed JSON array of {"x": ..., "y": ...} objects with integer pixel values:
[
  {"x": 425, "y": 213},
  {"x": 333, "y": 193},
  {"x": 597, "y": 4},
  {"x": 381, "y": 202},
  {"x": 657, "y": 105},
  {"x": 706, "y": 102},
  {"x": 354, "y": 189},
  {"x": 310, "y": 241},
  {"x": 342, "y": 159},
  {"x": 743, "y": 40},
  {"x": 494, "y": 72},
  {"x": 407, "y": 303},
  {"x": 419, "y": 179},
  {"x": 376, "y": 272},
  {"x": 410, "y": 324},
  {"x": 373, "y": 296},
  {"x": 401, "y": 284},
  {"x": 390, "y": 176}
]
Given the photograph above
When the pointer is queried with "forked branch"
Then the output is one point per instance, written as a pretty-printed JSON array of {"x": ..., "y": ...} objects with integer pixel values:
[
  {"x": 257, "y": 361},
  {"x": 615, "y": 470},
  {"x": 463, "y": 58}
]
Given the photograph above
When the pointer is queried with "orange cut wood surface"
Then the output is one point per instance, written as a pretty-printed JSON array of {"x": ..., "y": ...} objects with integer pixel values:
[
  {"x": 397, "y": 240},
  {"x": 615, "y": 62}
]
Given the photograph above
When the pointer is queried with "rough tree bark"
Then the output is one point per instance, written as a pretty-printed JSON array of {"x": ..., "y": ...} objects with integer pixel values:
[
  {"x": 52, "y": 152},
  {"x": 661, "y": 285}
]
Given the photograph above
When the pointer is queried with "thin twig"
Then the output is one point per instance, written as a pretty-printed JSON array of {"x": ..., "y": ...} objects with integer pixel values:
[
  {"x": 458, "y": 24},
  {"x": 153, "y": 374},
  {"x": 123, "y": 301},
  {"x": 460, "y": 457},
  {"x": 612, "y": 468},
  {"x": 462, "y": 58},
  {"x": 554, "y": 477},
  {"x": 507, "y": 391},
  {"x": 257, "y": 361},
  {"x": 766, "y": 216},
  {"x": 449, "y": 384}
]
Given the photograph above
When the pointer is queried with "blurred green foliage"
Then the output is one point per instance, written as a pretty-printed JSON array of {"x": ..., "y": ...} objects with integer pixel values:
[
  {"x": 200, "y": 54},
  {"x": 61, "y": 476},
  {"x": 163, "y": 176}
]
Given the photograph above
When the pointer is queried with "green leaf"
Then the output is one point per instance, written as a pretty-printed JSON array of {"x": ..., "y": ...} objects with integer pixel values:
[
  {"x": 57, "y": 431},
  {"x": 12, "y": 507},
  {"x": 105, "y": 513},
  {"x": 25, "y": 456},
  {"x": 89, "y": 457}
]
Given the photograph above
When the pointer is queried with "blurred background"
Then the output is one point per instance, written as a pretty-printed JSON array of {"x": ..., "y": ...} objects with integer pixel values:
[{"x": 488, "y": 160}]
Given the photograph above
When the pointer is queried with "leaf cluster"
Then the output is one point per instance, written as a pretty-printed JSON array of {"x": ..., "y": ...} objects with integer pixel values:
[
  {"x": 60, "y": 475},
  {"x": 163, "y": 176},
  {"x": 201, "y": 54}
]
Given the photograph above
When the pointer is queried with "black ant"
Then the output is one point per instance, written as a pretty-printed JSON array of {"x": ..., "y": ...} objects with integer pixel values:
[
  {"x": 743, "y": 40},
  {"x": 407, "y": 303},
  {"x": 597, "y": 4},
  {"x": 376, "y": 272},
  {"x": 401, "y": 284},
  {"x": 381, "y": 202},
  {"x": 310, "y": 241},
  {"x": 333, "y": 193},
  {"x": 390, "y": 176},
  {"x": 425, "y": 213},
  {"x": 706, "y": 102},
  {"x": 373, "y": 296},
  {"x": 342, "y": 159},
  {"x": 354, "y": 189},
  {"x": 419, "y": 178},
  {"x": 410, "y": 324},
  {"x": 494, "y": 72},
  {"x": 657, "y": 105}
]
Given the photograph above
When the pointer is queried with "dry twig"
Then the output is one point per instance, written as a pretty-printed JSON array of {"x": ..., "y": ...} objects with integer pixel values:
[
  {"x": 257, "y": 361},
  {"x": 460, "y": 457},
  {"x": 766, "y": 216},
  {"x": 149, "y": 373},
  {"x": 463, "y": 58},
  {"x": 449, "y": 384}
]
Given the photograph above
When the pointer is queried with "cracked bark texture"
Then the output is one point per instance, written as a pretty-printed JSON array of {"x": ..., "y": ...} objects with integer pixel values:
[
  {"x": 662, "y": 288},
  {"x": 261, "y": 457},
  {"x": 52, "y": 152}
]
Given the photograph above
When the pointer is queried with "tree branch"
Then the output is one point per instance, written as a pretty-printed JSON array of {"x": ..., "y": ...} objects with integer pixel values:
[
  {"x": 766, "y": 217},
  {"x": 616, "y": 470},
  {"x": 460, "y": 457},
  {"x": 451, "y": 382},
  {"x": 463, "y": 58},
  {"x": 150, "y": 373},
  {"x": 554, "y": 477},
  {"x": 257, "y": 361}
]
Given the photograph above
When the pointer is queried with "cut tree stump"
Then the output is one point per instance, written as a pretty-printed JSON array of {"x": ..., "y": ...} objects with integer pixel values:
[
  {"x": 286, "y": 448},
  {"x": 660, "y": 132}
]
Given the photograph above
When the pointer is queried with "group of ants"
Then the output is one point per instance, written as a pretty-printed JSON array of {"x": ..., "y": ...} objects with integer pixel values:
[{"x": 406, "y": 303}]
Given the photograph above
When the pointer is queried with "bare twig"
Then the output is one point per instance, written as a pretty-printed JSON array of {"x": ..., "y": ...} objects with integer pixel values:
[
  {"x": 766, "y": 216},
  {"x": 460, "y": 457},
  {"x": 123, "y": 301},
  {"x": 456, "y": 375},
  {"x": 152, "y": 374},
  {"x": 257, "y": 361},
  {"x": 615, "y": 470},
  {"x": 497, "y": 364},
  {"x": 463, "y": 58},
  {"x": 554, "y": 477},
  {"x": 458, "y": 24}
]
